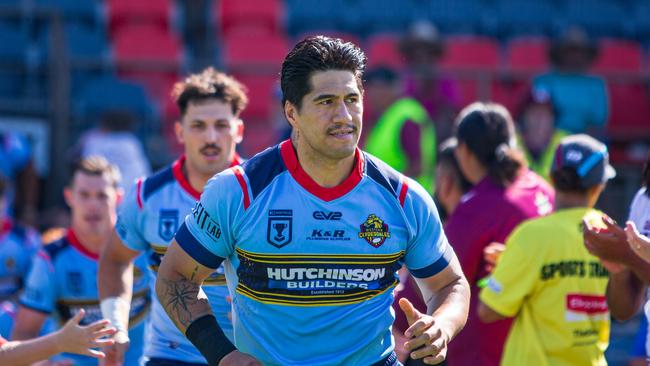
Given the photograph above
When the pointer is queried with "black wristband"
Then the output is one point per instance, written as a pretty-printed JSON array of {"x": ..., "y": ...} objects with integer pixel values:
[{"x": 206, "y": 335}]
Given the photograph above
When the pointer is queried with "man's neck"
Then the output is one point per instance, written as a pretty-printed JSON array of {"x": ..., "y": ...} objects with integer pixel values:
[
  {"x": 198, "y": 180},
  {"x": 326, "y": 172},
  {"x": 564, "y": 200},
  {"x": 92, "y": 243}
]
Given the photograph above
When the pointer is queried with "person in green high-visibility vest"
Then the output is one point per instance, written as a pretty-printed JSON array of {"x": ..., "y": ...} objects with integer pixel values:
[
  {"x": 403, "y": 135},
  {"x": 538, "y": 137}
]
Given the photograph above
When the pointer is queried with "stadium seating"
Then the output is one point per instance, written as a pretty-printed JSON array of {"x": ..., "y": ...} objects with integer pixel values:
[
  {"x": 471, "y": 53},
  {"x": 13, "y": 60},
  {"x": 458, "y": 16},
  {"x": 598, "y": 17},
  {"x": 527, "y": 55},
  {"x": 618, "y": 56},
  {"x": 382, "y": 50},
  {"x": 517, "y": 17},
  {"x": 305, "y": 15},
  {"x": 267, "y": 15},
  {"x": 629, "y": 110},
  {"x": 262, "y": 91},
  {"x": 265, "y": 57},
  {"x": 147, "y": 12},
  {"x": 147, "y": 46},
  {"x": 72, "y": 11},
  {"x": 380, "y": 16},
  {"x": 109, "y": 93}
]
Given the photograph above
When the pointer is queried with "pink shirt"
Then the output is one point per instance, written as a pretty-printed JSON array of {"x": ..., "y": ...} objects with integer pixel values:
[{"x": 486, "y": 214}]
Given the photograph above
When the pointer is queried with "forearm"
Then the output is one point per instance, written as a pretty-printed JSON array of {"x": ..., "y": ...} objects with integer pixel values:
[
  {"x": 182, "y": 299},
  {"x": 115, "y": 283},
  {"x": 624, "y": 294},
  {"x": 30, "y": 351},
  {"x": 640, "y": 268},
  {"x": 450, "y": 306}
]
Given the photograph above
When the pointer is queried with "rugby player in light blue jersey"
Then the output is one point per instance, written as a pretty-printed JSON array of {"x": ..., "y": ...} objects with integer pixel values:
[
  {"x": 18, "y": 244},
  {"x": 209, "y": 129},
  {"x": 312, "y": 232},
  {"x": 63, "y": 277}
]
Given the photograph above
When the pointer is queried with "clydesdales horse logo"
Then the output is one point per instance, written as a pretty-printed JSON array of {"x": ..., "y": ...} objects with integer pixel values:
[{"x": 374, "y": 230}]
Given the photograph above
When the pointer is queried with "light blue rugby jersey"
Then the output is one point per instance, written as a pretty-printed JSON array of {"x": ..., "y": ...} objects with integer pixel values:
[
  {"x": 18, "y": 245},
  {"x": 63, "y": 280},
  {"x": 147, "y": 221},
  {"x": 312, "y": 268}
]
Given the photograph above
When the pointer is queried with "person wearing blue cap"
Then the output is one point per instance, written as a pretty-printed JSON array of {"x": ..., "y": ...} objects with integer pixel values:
[{"x": 546, "y": 279}]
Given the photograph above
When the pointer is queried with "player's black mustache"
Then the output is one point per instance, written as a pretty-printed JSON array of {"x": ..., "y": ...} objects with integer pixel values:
[
  {"x": 339, "y": 127},
  {"x": 211, "y": 146}
]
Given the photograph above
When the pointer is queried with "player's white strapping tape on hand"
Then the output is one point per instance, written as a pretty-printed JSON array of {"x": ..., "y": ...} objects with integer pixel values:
[{"x": 114, "y": 309}]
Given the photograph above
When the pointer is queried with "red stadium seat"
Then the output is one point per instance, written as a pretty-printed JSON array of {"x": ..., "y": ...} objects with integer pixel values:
[
  {"x": 510, "y": 93},
  {"x": 261, "y": 90},
  {"x": 246, "y": 52},
  {"x": 383, "y": 50},
  {"x": 471, "y": 53},
  {"x": 630, "y": 110},
  {"x": 267, "y": 14},
  {"x": 139, "y": 44},
  {"x": 618, "y": 56},
  {"x": 123, "y": 12},
  {"x": 527, "y": 55}
]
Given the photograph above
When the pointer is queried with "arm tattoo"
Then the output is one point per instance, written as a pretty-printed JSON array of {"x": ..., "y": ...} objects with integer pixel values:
[
  {"x": 196, "y": 269},
  {"x": 180, "y": 299}
]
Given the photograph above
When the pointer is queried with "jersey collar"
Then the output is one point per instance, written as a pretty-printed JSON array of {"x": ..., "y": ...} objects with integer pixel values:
[
  {"x": 177, "y": 170},
  {"x": 71, "y": 237},
  {"x": 325, "y": 193}
]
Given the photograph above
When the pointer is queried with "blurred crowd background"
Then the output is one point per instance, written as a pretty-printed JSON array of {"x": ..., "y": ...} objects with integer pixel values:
[{"x": 80, "y": 78}]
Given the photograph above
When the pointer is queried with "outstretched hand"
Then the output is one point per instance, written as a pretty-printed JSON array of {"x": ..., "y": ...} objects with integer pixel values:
[
  {"x": 638, "y": 242},
  {"x": 425, "y": 338},
  {"x": 79, "y": 339}
]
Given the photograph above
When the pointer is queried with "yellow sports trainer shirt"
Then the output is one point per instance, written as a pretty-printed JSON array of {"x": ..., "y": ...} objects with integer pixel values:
[{"x": 555, "y": 289}]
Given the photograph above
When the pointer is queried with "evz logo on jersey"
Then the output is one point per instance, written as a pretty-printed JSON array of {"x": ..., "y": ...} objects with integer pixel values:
[
  {"x": 279, "y": 230},
  {"x": 167, "y": 224},
  {"x": 325, "y": 215},
  {"x": 374, "y": 231},
  {"x": 75, "y": 282}
]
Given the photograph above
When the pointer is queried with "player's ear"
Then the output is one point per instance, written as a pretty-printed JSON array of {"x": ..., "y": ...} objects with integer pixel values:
[
  {"x": 178, "y": 131},
  {"x": 67, "y": 195},
  {"x": 290, "y": 112},
  {"x": 239, "y": 134},
  {"x": 119, "y": 195}
]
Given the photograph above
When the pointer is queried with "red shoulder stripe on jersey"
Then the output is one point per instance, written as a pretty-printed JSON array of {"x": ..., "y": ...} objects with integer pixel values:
[
  {"x": 177, "y": 170},
  {"x": 236, "y": 160},
  {"x": 71, "y": 237},
  {"x": 402, "y": 191},
  {"x": 242, "y": 183},
  {"x": 138, "y": 193}
]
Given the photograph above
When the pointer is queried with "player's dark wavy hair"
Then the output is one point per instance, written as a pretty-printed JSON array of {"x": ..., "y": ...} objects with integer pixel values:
[
  {"x": 318, "y": 53},
  {"x": 488, "y": 131},
  {"x": 566, "y": 179},
  {"x": 447, "y": 158},
  {"x": 645, "y": 175},
  {"x": 210, "y": 84}
]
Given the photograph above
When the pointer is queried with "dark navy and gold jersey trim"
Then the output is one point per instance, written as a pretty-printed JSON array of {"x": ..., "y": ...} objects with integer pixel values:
[
  {"x": 322, "y": 258},
  {"x": 316, "y": 279},
  {"x": 435, "y": 267},
  {"x": 195, "y": 249},
  {"x": 276, "y": 299},
  {"x": 215, "y": 279}
]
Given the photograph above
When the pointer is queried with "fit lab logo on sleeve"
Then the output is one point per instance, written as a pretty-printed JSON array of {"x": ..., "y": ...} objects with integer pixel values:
[{"x": 205, "y": 222}]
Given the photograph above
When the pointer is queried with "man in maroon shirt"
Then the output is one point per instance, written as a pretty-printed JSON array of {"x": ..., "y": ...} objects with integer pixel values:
[{"x": 505, "y": 193}]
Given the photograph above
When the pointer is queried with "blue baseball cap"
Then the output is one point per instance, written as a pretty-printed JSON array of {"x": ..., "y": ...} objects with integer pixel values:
[{"x": 588, "y": 156}]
